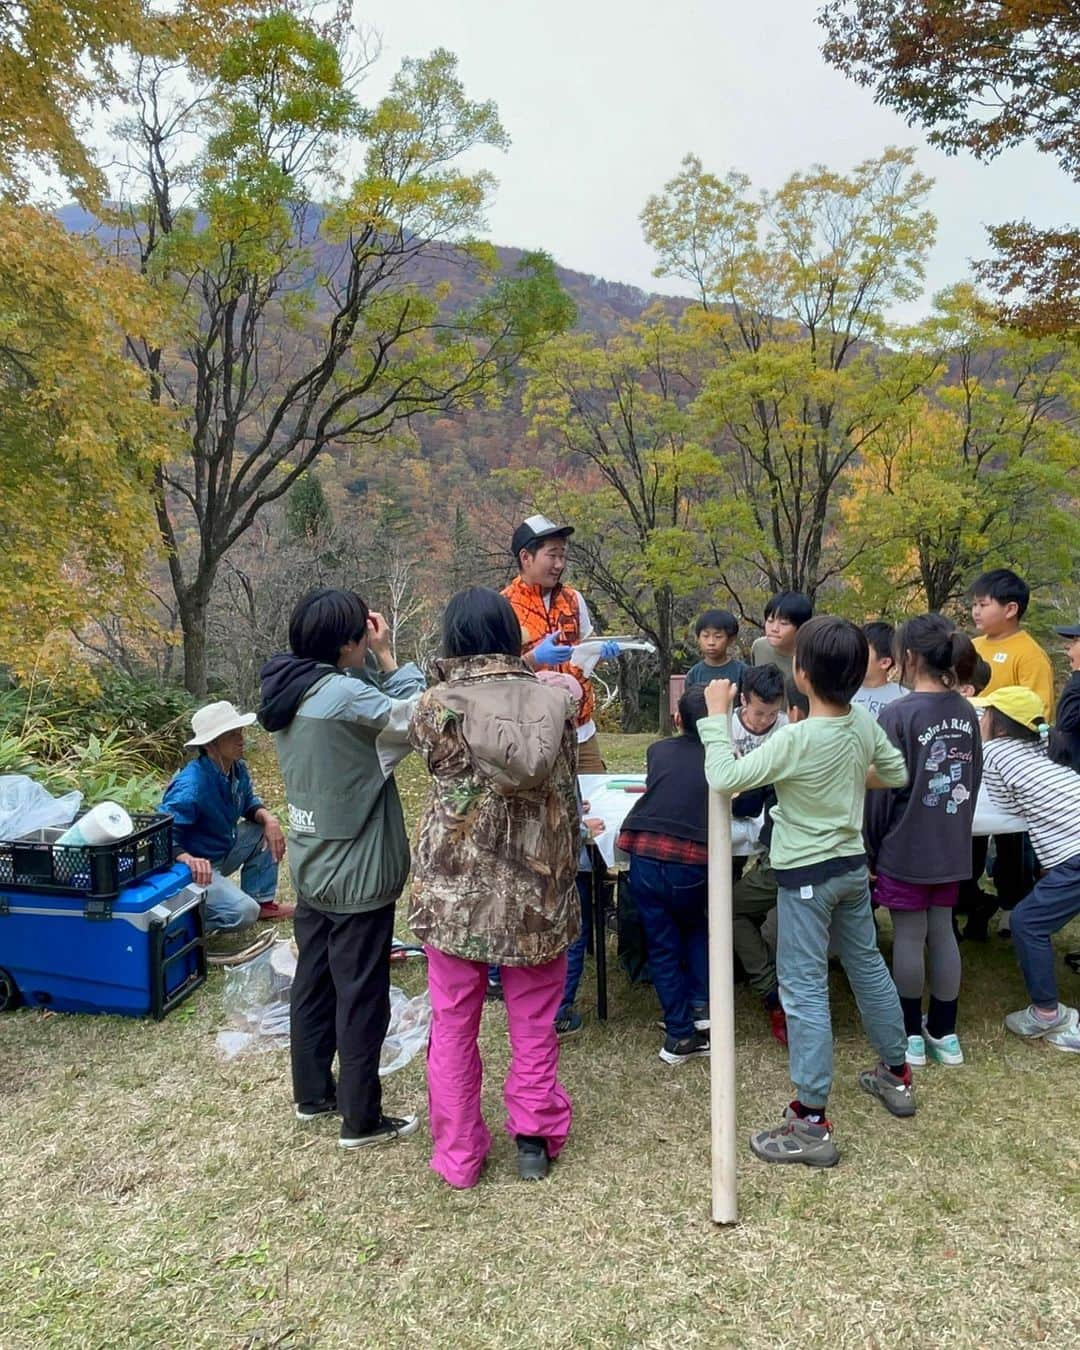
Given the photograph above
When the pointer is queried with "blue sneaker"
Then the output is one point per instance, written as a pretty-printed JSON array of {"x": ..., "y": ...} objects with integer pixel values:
[
  {"x": 568, "y": 1023},
  {"x": 944, "y": 1049},
  {"x": 916, "y": 1052}
]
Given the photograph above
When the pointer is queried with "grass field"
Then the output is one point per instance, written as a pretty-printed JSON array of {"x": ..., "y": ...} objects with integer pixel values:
[{"x": 151, "y": 1195}]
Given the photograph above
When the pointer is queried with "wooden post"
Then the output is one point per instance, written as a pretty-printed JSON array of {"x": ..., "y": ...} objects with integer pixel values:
[{"x": 721, "y": 1013}]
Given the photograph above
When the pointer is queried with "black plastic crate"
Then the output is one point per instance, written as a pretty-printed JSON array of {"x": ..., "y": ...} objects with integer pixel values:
[{"x": 98, "y": 871}]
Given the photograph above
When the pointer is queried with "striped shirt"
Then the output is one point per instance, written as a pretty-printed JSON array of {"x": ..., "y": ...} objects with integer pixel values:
[{"x": 1020, "y": 778}]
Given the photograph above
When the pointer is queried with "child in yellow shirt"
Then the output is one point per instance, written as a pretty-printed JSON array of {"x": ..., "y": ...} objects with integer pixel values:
[{"x": 998, "y": 601}]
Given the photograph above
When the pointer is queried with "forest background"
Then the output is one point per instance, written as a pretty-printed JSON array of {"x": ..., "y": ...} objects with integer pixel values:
[{"x": 268, "y": 348}]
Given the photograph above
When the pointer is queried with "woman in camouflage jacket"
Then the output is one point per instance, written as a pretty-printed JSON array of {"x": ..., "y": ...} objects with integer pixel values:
[{"x": 493, "y": 882}]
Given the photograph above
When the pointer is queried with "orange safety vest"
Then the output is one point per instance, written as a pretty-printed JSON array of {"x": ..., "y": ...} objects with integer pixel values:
[{"x": 562, "y": 616}]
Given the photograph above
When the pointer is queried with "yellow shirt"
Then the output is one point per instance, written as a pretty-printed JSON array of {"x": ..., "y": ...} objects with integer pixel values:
[{"x": 1018, "y": 660}]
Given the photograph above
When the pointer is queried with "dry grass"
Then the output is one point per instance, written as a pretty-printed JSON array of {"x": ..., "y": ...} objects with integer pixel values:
[{"x": 151, "y": 1195}]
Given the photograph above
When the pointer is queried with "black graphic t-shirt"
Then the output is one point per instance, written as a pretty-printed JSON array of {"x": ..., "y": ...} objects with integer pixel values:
[{"x": 922, "y": 833}]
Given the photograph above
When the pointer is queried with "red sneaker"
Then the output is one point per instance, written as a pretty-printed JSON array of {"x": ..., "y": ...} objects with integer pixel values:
[
  {"x": 272, "y": 912},
  {"x": 777, "y": 1024}
]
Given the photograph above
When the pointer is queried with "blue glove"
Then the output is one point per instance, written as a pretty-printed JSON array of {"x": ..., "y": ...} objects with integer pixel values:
[
  {"x": 550, "y": 652},
  {"x": 609, "y": 651}
]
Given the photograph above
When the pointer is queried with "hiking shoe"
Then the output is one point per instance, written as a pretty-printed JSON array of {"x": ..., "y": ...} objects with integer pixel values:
[
  {"x": 1027, "y": 1024},
  {"x": 678, "y": 1052},
  {"x": 701, "y": 1017},
  {"x": 532, "y": 1158},
  {"x": 895, "y": 1094},
  {"x": 943, "y": 1049},
  {"x": 777, "y": 1024},
  {"x": 1068, "y": 1038},
  {"x": 796, "y": 1141},
  {"x": 388, "y": 1128},
  {"x": 271, "y": 912},
  {"x": 568, "y": 1023},
  {"x": 327, "y": 1106},
  {"x": 916, "y": 1052},
  {"x": 494, "y": 993}
]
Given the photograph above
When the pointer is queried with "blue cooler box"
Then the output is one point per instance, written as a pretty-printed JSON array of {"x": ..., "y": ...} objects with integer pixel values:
[{"x": 139, "y": 954}]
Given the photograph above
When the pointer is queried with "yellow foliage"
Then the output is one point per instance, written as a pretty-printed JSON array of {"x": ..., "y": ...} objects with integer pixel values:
[{"x": 79, "y": 441}]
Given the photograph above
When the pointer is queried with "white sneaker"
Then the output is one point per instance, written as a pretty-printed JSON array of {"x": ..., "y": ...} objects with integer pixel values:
[
  {"x": 916, "y": 1052},
  {"x": 1068, "y": 1038},
  {"x": 945, "y": 1050}
]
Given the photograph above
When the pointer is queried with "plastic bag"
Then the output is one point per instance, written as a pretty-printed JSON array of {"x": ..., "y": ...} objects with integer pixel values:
[
  {"x": 25, "y": 806},
  {"x": 586, "y": 655},
  {"x": 256, "y": 1002}
]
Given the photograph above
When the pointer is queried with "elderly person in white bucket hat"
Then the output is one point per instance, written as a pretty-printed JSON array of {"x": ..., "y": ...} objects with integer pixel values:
[{"x": 220, "y": 825}]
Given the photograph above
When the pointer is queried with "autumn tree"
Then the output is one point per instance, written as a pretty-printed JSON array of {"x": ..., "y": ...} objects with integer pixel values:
[
  {"x": 983, "y": 77},
  {"x": 642, "y": 492},
  {"x": 301, "y": 299},
  {"x": 979, "y": 470},
  {"x": 78, "y": 442},
  {"x": 794, "y": 288}
]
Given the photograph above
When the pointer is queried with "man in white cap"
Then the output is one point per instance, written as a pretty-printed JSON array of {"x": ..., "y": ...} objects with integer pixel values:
[
  {"x": 220, "y": 825},
  {"x": 554, "y": 618}
]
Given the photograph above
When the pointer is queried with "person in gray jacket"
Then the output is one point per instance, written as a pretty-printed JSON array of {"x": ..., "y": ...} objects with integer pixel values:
[{"x": 339, "y": 709}]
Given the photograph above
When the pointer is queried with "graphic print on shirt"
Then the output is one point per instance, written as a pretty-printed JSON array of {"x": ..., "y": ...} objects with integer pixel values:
[{"x": 950, "y": 750}]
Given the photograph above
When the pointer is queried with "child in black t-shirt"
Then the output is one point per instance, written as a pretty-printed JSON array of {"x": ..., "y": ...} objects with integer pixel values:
[{"x": 919, "y": 837}]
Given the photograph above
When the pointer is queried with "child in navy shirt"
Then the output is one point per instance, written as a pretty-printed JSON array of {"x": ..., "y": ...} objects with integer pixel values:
[
  {"x": 667, "y": 837},
  {"x": 918, "y": 837},
  {"x": 716, "y": 631}
]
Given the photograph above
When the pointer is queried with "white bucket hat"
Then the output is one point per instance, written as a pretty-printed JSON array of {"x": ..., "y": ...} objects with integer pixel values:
[{"x": 215, "y": 720}]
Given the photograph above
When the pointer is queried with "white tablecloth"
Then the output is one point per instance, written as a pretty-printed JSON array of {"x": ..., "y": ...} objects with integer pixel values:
[{"x": 612, "y": 806}]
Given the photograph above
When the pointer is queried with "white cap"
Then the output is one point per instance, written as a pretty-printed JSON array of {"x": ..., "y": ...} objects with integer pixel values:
[{"x": 215, "y": 720}]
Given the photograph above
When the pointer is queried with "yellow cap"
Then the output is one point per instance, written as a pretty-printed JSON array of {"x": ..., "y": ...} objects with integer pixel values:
[{"x": 1022, "y": 705}]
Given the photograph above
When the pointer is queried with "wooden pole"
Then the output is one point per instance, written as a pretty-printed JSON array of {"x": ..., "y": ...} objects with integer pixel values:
[{"x": 721, "y": 1013}]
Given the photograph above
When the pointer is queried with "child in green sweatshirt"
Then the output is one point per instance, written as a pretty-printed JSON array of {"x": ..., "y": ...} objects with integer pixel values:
[{"x": 821, "y": 769}]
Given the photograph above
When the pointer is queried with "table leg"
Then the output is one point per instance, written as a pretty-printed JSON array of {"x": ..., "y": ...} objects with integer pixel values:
[{"x": 600, "y": 940}]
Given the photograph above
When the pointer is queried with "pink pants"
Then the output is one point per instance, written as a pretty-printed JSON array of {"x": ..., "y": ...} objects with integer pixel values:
[{"x": 536, "y": 1102}]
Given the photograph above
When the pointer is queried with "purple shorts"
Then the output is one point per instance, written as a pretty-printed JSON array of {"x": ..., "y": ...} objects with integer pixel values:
[{"x": 911, "y": 895}]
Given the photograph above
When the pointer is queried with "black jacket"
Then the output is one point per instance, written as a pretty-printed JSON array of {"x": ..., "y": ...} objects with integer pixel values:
[
  {"x": 1065, "y": 737},
  {"x": 676, "y": 798}
]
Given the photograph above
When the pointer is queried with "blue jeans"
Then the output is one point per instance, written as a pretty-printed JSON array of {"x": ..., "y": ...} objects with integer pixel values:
[
  {"x": 229, "y": 905},
  {"x": 575, "y": 956},
  {"x": 673, "y": 904},
  {"x": 1054, "y": 900},
  {"x": 837, "y": 909}
]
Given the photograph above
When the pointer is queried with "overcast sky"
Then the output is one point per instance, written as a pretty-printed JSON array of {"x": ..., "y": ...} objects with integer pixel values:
[{"x": 602, "y": 98}]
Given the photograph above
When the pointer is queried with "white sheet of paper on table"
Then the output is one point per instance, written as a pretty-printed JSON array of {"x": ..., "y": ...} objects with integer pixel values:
[{"x": 613, "y": 805}]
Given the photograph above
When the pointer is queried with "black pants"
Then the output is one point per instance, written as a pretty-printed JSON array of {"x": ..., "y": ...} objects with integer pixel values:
[
  {"x": 341, "y": 1002},
  {"x": 1014, "y": 869}
]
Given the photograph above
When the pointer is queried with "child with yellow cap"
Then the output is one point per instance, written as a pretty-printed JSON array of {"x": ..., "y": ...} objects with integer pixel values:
[{"x": 1020, "y": 777}]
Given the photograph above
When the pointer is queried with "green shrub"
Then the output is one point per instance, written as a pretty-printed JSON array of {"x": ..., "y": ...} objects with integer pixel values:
[{"x": 120, "y": 745}]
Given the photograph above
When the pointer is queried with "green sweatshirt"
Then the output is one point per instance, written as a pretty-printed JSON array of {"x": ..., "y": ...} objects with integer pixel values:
[{"x": 818, "y": 768}]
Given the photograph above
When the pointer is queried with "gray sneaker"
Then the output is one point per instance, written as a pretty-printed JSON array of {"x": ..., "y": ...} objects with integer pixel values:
[
  {"x": 1068, "y": 1038},
  {"x": 796, "y": 1141},
  {"x": 895, "y": 1094},
  {"x": 1025, "y": 1023}
]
